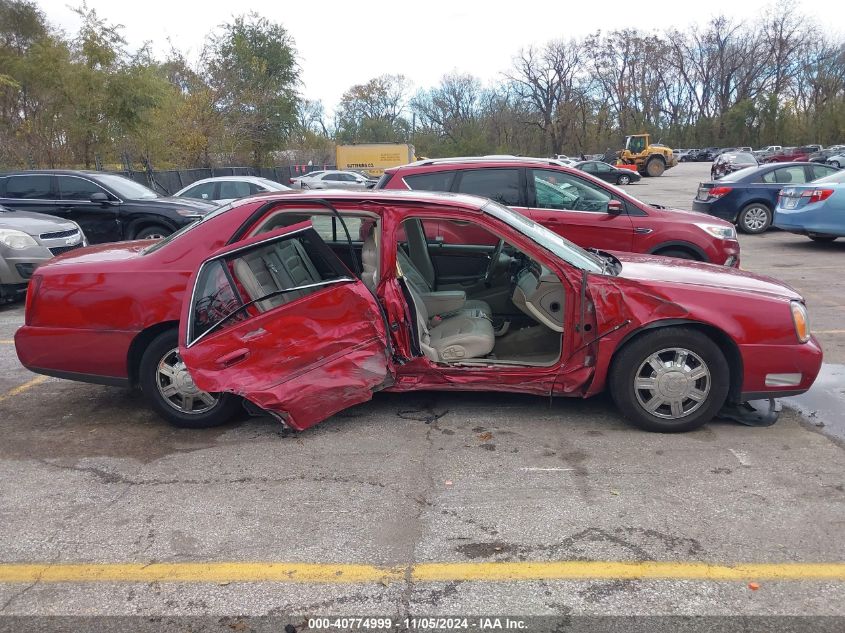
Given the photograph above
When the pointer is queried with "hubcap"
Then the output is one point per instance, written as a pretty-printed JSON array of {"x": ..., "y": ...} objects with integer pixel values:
[
  {"x": 177, "y": 387},
  {"x": 672, "y": 383},
  {"x": 756, "y": 218},
  {"x": 623, "y": 180}
]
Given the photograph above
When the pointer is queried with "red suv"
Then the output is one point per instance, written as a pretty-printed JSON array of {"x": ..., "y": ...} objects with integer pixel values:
[{"x": 583, "y": 209}]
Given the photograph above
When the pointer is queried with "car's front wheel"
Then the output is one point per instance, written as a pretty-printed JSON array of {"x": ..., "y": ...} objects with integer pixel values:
[
  {"x": 623, "y": 180},
  {"x": 172, "y": 393},
  {"x": 154, "y": 232},
  {"x": 755, "y": 218},
  {"x": 670, "y": 380}
]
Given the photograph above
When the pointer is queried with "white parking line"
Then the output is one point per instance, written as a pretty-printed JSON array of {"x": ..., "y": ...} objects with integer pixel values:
[{"x": 544, "y": 470}]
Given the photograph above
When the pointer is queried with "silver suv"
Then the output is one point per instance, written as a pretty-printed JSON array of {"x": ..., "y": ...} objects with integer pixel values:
[{"x": 26, "y": 240}]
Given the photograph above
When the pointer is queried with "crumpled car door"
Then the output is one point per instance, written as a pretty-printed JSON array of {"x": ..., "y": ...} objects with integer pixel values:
[{"x": 279, "y": 320}]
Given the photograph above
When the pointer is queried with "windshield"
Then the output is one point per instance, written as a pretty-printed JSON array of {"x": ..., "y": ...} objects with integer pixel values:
[
  {"x": 742, "y": 157},
  {"x": 836, "y": 178},
  {"x": 125, "y": 188},
  {"x": 185, "y": 229},
  {"x": 739, "y": 175},
  {"x": 558, "y": 245}
]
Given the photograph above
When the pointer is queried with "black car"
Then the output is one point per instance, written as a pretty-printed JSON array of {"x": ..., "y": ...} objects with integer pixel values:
[
  {"x": 730, "y": 162},
  {"x": 748, "y": 197},
  {"x": 607, "y": 172},
  {"x": 822, "y": 155},
  {"x": 108, "y": 207}
]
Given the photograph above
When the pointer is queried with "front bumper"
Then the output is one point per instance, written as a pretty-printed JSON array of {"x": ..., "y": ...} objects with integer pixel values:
[{"x": 775, "y": 371}]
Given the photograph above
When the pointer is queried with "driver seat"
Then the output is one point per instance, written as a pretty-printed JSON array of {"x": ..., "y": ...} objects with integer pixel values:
[{"x": 418, "y": 253}]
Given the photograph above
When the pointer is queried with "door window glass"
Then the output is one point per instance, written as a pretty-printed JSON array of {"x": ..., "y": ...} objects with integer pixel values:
[
  {"x": 29, "y": 187},
  {"x": 501, "y": 185},
  {"x": 786, "y": 175},
  {"x": 560, "y": 190},
  {"x": 233, "y": 287},
  {"x": 72, "y": 188},
  {"x": 205, "y": 191},
  {"x": 602, "y": 168},
  {"x": 433, "y": 181},
  {"x": 233, "y": 189}
]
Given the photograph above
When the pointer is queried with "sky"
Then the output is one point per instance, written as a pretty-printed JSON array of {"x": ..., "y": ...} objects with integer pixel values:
[{"x": 345, "y": 43}]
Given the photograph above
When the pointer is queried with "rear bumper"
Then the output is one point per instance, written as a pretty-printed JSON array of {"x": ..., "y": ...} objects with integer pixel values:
[
  {"x": 88, "y": 355},
  {"x": 777, "y": 371},
  {"x": 812, "y": 220},
  {"x": 717, "y": 208}
]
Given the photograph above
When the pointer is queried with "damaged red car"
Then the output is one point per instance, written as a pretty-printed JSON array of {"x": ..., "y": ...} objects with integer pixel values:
[{"x": 303, "y": 304}]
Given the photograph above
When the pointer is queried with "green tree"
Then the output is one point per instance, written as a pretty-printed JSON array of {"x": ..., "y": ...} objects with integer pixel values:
[{"x": 253, "y": 70}]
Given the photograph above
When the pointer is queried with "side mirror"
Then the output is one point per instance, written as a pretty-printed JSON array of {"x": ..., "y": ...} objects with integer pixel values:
[
  {"x": 99, "y": 197},
  {"x": 615, "y": 207}
]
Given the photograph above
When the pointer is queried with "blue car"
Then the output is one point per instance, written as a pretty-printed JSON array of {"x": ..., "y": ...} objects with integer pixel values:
[
  {"x": 816, "y": 210},
  {"x": 748, "y": 197}
]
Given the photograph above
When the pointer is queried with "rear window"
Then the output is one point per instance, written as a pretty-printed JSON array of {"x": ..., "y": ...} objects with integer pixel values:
[
  {"x": 29, "y": 187},
  {"x": 837, "y": 177},
  {"x": 501, "y": 185},
  {"x": 432, "y": 181},
  {"x": 382, "y": 182}
]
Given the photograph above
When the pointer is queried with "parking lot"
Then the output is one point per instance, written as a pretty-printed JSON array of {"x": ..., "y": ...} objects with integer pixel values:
[{"x": 433, "y": 503}]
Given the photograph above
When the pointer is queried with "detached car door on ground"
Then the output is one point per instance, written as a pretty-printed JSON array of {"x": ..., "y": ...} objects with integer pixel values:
[{"x": 279, "y": 319}]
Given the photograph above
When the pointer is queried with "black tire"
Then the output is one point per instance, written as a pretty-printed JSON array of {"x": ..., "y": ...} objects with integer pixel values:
[
  {"x": 157, "y": 352},
  {"x": 630, "y": 363},
  {"x": 824, "y": 239},
  {"x": 679, "y": 253},
  {"x": 754, "y": 219},
  {"x": 152, "y": 232},
  {"x": 655, "y": 167},
  {"x": 624, "y": 179}
]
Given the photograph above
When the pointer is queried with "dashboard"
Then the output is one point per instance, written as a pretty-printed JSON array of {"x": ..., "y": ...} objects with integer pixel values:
[{"x": 538, "y": 293}]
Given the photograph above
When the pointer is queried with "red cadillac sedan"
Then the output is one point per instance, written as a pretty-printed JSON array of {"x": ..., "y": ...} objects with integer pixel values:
[{"x": 303, "y": 304}]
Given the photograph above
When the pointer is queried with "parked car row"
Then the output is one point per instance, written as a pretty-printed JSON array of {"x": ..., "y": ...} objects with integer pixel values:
[
  {"x": 748, "y": 197},
  {"x": 414, "y": 285}
]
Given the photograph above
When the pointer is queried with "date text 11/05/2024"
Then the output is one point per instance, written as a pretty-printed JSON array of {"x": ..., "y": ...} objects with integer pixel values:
[{"x": 415, "y": 624}]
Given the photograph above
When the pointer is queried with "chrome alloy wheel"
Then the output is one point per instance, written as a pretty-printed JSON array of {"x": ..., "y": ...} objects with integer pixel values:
[
  {"x": 755, "y": 219},
  {"x": 177, "y": 387},
  {"x": 672, "y": 383}
]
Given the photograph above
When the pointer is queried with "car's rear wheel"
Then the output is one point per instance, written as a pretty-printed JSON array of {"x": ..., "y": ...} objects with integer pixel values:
[
  {"x": 670, "y": 380},
  {"x": 172, "y": 393},
  {"x": 623, "y": 180},
  {"x": 825, "y": 239},
  {"x": 153, "y": 232},
  {"x": 754, "y": 219},
  {"x": 835, "y": 164}
]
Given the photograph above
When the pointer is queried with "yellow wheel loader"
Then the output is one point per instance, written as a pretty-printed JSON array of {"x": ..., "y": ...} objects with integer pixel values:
[{"x": 648, "y": 159}]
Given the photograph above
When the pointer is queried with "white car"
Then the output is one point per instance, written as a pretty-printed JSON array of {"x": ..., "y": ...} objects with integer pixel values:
[
  {"x": 224, "y": 189},
  {"x": 332, "y": 179},
  {"x": 837, "y": 161}
]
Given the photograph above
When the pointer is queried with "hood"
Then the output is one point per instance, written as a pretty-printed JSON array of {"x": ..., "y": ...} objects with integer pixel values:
[
  {"x": 33, "y": 223},
  {"x": 661, "y": 270},
  {"x": 200, "y": 206},
  {"x": 691, "y": 216}
]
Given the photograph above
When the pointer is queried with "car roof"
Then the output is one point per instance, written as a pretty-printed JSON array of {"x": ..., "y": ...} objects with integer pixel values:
[
  {"x": 255, "y": 179},
  {"x": 57, "y": 172},
  {"x": 493, "y": 161},
  {"x": 380, "y": 196}
]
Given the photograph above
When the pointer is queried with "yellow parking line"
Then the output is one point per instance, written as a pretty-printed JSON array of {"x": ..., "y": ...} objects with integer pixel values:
[
  {"x": 321, "y": 573},
  {"x": 828, "y": 331},
  {"x": 20, "y": 389},
  {"x": 7, "y": 341}
]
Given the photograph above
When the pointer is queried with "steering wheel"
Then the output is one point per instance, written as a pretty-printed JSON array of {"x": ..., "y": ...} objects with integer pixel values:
[{"x": 494, "y": 259}]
